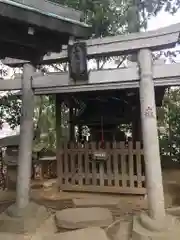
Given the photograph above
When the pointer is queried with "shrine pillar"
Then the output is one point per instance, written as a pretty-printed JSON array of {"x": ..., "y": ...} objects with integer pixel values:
[
  {"x": 26, "y": 139},
  {"x": 150, "y": 137}
]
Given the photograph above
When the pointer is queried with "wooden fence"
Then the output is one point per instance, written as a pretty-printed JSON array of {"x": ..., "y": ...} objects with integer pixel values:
[{"x": 121, "y": 172}]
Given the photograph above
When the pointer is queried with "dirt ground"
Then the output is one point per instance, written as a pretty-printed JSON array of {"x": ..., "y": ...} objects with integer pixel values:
[
  {"x": 55, "y": 200},
  {"x": 128, "y": 204}
]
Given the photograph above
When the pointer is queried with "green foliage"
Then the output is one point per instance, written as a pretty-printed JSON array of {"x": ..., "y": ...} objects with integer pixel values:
[
  {"x": 104, "y": 16},
  {"x": 169, "y": 124},
  {"x": 10, "y": 109},
  {"x": 44, "y": 120},
  {"x": 111, "y": 17},
  {"x": 172, "y": 6}
]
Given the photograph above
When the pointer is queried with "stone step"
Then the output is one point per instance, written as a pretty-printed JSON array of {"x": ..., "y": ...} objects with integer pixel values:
[
  {"x": 95, "y": 202},
  {"x": 110, "y": 203},
  {"x": 76, "y": 218}
]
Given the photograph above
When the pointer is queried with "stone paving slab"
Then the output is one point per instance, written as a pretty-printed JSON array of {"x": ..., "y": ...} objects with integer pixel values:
[
  {"x": 174, "y": 211},
  {"x": 9, "y": 236},
  {"x": 47, "y": 228},
  {"x": 124, "y": 232},
  {"x": 93, "y": 233},
  {"x": 95, "y": 202},
  {"x": 76, "y": 218}
]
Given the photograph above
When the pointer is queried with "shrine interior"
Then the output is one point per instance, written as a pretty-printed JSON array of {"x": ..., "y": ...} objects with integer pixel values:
[{"x": 107, "y": 112}]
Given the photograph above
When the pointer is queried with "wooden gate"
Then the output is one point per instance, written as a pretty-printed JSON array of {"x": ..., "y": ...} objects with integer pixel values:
[{"x": 121, "y": 172}]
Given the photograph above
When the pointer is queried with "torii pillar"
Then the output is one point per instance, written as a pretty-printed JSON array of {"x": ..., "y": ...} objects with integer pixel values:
[
  {"x": 157, "y": 224},
  {"x": 26, "y": 139},
  {"x": 25, "y": 144},
  {"x": 150, "y": 136}
]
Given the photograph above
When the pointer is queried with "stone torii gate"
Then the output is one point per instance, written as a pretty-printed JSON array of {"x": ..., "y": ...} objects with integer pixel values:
[{"x": 157, "y": 224}]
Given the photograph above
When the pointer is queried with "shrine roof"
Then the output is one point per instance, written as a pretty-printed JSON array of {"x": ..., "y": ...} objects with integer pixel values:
[
  {"x": 31, "y": 29},
  {"x": 48, "y": 8},
  {"x": 8, "y": 141}
]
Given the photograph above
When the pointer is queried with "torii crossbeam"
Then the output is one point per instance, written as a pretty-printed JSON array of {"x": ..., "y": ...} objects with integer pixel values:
[
  {"x": 114, "y": 46},
  {"x": 107, "y": 79}
]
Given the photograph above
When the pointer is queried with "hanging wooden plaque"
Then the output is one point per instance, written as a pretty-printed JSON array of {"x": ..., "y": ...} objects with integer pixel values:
[
  {"x": 99, "y": 156},
  {"x": 77, "y": 57}
]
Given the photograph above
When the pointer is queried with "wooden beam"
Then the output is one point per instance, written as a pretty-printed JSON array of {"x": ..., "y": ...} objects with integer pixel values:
[
  {"x": 163, "y": 74},
  {"x": 107, "y": 189},
  {"x": 111, "y": 46}
]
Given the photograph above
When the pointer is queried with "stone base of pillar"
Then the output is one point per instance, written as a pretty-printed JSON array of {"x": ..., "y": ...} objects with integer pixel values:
[
  {"x": 24, "y": 221},
  {"x": 145, "y": 228}
]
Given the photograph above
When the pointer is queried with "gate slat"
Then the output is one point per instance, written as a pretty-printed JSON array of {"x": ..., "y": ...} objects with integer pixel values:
[
  {"x": 94, "y": 170},
  {"x": 138, "y": 162},
  {"x": 109, "y": 172},
  {"x": 86, "y": 167},
  {"x": 80, "y": 179},
  {"x": 101, "y": 168},
  {"x": 123, "y": 165},
  {"x": 131, "y": 164},
  {"x": 72, "y": 161},
  {"x": 115, "y": 164},
  {"x": 101, "y": 174}
]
